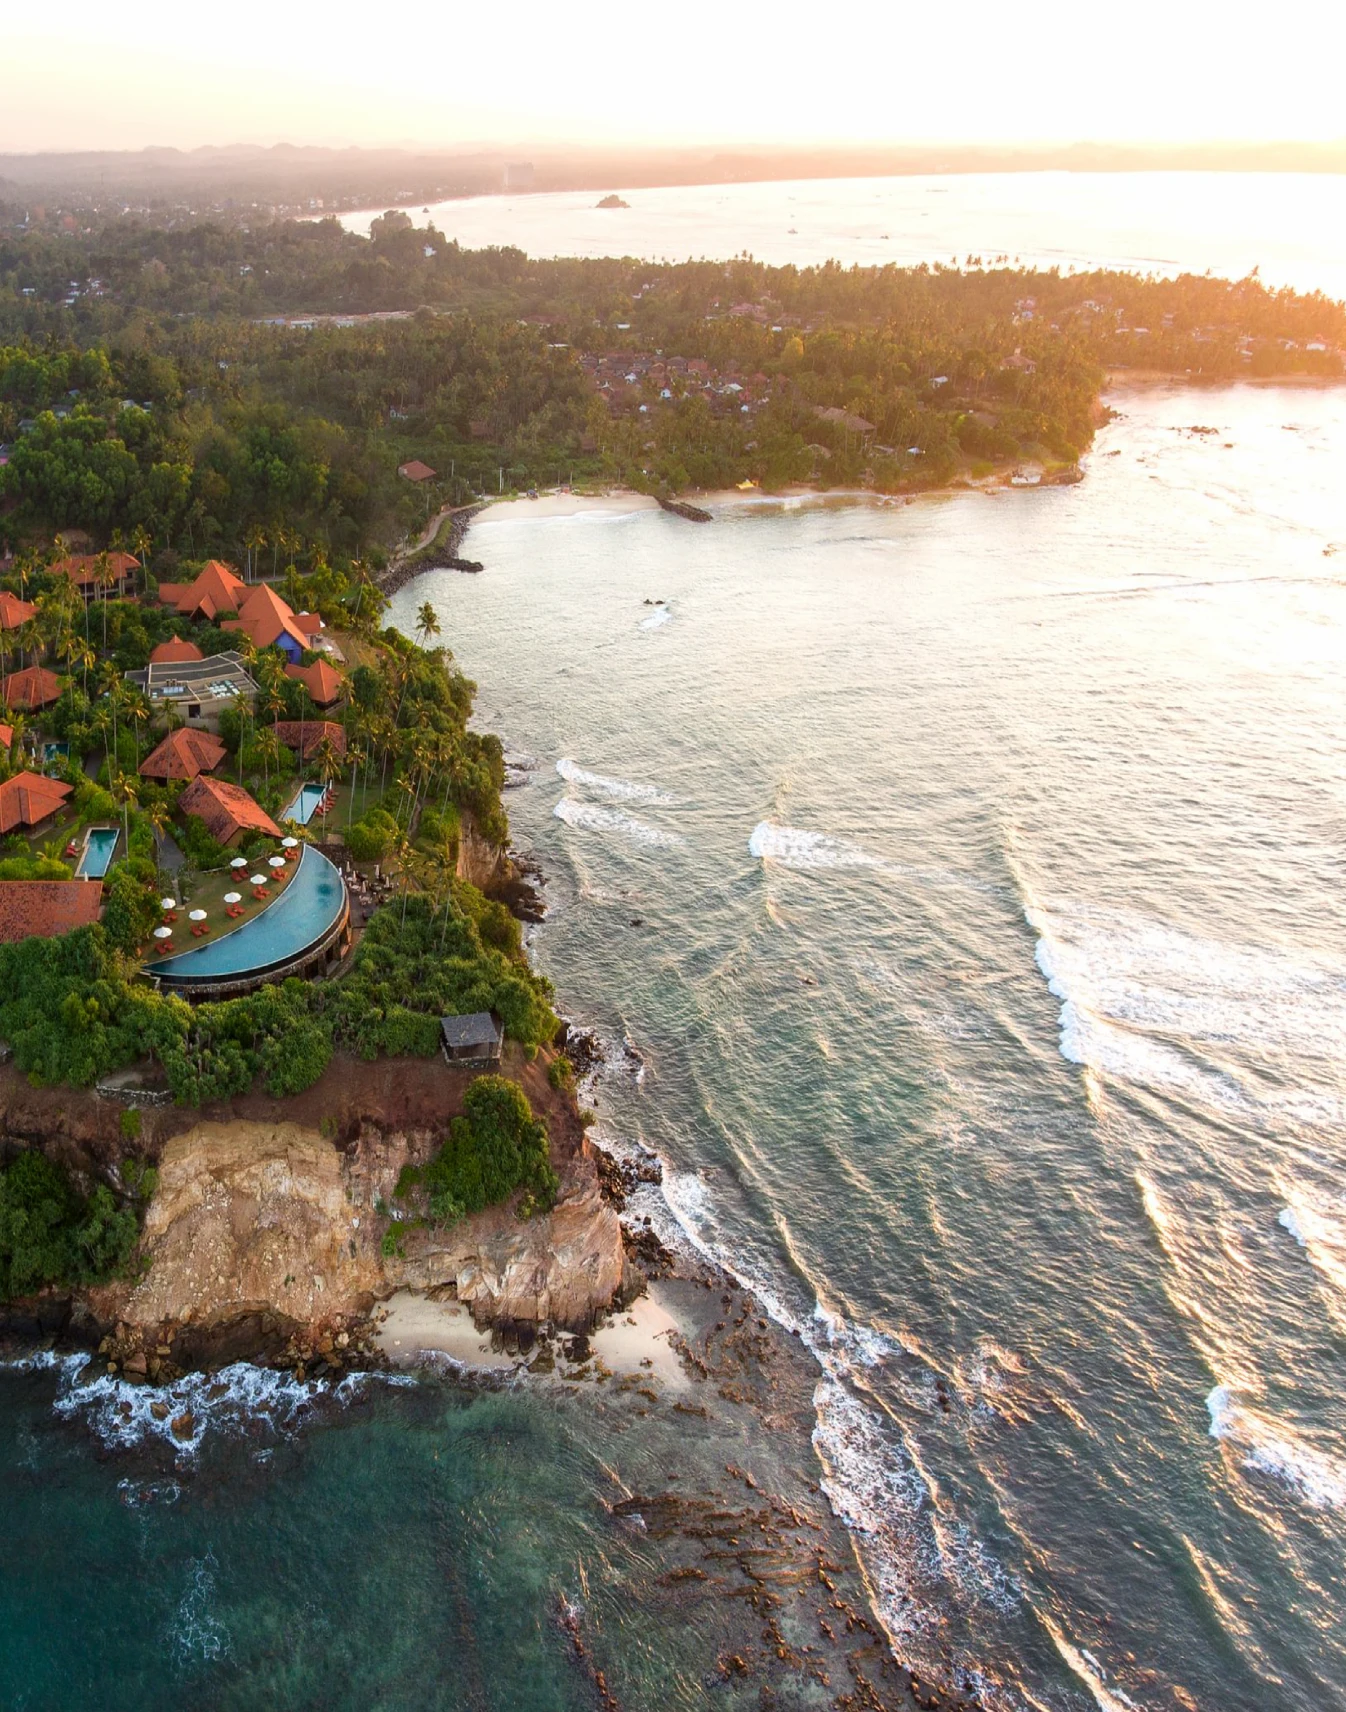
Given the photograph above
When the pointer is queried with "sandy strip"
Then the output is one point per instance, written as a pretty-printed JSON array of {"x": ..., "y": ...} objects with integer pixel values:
[
  {"x": 562, "y": 505},
  {"x": 634, "y": 1346}
]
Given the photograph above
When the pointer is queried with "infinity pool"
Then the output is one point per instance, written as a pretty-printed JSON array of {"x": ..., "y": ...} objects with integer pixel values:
[
  {"x": 305, "y": 805},
  {"x": 300, "y": 916},
  {"x": 95, "y": 859}
]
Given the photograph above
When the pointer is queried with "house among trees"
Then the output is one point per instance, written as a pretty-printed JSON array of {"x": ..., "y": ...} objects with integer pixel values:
[
  {"x": 323, "y": 682},
  {"x": 29, "y": 802},
  {"x": 217, "y": 589},
  {"x": 100, "y": 576},
  {"x": 175, "y": 652},
  {"x": 46, "y": 908},
  {"x": 34, "y": 687},
  {"x": 306, "y": 736},
  {"x": 270, "y": 623},
  {"x": 183, "y": 754},
  {"x": 199, "y": 689},
  {"x": 226, "y": 810},
  {"x": 471, "y": 1040},
  {"x": 415, "y": 471},
  {"x": 15, "y": 612}
]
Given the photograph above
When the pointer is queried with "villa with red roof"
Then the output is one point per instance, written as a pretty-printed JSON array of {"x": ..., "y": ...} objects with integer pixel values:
[
  {"x": 15, "y": 612},
  {"x": 175, "y": 652},
  {"x": 28, "y": 801},
  {"x": 323, "y": 682},
  {"x": 270, "y": 623},
  {"x": 84, "y": 571},
  {"x": 184, "y": 754},
  {"x": 305, "y": 736},
  {"x": 217, "y": 589},
  {"x": 227, "y": 810},
  {"x": 45, "y": 908},
  {"x": 32, "y": 688}
]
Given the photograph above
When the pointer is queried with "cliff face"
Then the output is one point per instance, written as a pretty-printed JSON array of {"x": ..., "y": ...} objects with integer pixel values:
[{"x": 253, "y": 1218}]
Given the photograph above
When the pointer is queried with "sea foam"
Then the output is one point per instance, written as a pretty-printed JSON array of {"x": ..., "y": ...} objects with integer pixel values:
[
  {"x": 590, "y": 817},
  {"x": 621, "y": 790},
  {"x": 794, "y": 847},
  {"x": 1270, "y": 1449}
]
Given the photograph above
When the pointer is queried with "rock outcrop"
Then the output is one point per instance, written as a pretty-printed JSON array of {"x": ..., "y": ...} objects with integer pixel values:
[{"x": 272, "y": 1218}]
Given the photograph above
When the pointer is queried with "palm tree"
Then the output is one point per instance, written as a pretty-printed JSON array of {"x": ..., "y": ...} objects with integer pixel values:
[
  {"x": 139, "y": 713},
  {"x": 160, "y": 813},
  {"x": 327, "y": 760},
  {"x": 253, "y": 541},
  {"x": 427, "y": 622},
  {"x": 103, "y": 579},
  {"x": 141, "y": 542},
  {"x": 124, "y": 790},
  {"x": 243, "y": 708},
  {"x": 268, "y": 747}
]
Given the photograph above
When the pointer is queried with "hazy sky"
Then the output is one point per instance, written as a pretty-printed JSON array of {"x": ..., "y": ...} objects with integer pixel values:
[{"x": 83, "y": 75}]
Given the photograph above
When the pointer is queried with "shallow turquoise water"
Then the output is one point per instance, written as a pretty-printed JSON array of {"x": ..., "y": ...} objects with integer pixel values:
[{"x": 967, "y": 875}]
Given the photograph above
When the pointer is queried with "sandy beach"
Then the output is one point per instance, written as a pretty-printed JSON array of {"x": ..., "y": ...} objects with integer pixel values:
[{"x": 635, "y": 1345}]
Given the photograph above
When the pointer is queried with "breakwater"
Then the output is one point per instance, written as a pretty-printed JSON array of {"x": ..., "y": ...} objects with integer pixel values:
[{"x": 439, "y": 554}]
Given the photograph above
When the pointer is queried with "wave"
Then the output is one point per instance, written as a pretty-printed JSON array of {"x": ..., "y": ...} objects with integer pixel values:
[
  {"x": 590, "y": 817},
  {"x": 237, "y": 1398},
  {"x": 1148, "y": 1003},
  {"x": 793, "y": 847},
  {"x": 1318, "y": 1479},
  {"x": 622, "y": 790},
  {"x": 658, "y": 617},
  {"x": 1318, "y": 1224},
  {"x": 196, "y": 1634}
]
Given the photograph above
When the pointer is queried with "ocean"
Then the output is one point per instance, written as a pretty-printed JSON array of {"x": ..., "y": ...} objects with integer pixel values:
[
  {"x": 966, "y": 875},
  {"x": 1289, "y": 226}
]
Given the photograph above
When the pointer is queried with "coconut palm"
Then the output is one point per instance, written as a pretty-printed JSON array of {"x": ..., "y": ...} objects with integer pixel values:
[
  {"x": 268, "y": 747},
  {"x": 427, "y": 622}
]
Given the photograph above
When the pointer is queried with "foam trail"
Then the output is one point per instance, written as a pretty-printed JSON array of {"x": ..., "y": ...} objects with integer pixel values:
[
  {"x": 793, "y": 847},
  {"x": 590, "y": 817},
  {"x": 622, "y": 790},
  {"x": 1318, "y": 1479},
  {"x": 658, "y": 617}
]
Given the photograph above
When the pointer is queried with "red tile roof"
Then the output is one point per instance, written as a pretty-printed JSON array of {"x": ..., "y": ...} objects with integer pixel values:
[
  {"x": 183, "y": 754},
  {"x": 6, "y": 736},
  {"x": 304, "y": 735},
  {"x": 46, "y": 907},
  {"x": 175, "y": 652},
  {"x": 13, "y": 611},
  {"x": 309, "y": 622},
  {"x": 217, "y": 589},
  {"x": 33, "y": 687},
  {"x": 265, "y": 617},
  {"x": 82, "y": 568},
  {"x": 27, "y": 799},
  {"x": 323, "y": 682},
  {"x": 415, "y": 470},
  {"x": 226, "y": 809}
]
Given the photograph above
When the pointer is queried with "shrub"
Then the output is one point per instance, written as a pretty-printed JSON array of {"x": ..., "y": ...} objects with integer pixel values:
[
  {"x": 496, "y": 1147},
  {"x": 561, "y": 1073},
  {"x": 50, "y": 1235}
]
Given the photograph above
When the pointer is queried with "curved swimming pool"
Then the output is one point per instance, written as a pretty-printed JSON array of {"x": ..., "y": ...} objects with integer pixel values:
[{"x": 308, "y": 908}]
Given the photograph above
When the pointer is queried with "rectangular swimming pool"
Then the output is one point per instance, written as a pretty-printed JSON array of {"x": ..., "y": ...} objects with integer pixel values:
[
  {"x": 100, "y": 844},
  {"x": 305, "y": 805}
]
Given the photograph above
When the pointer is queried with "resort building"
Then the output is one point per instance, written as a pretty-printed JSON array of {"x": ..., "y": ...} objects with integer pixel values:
[
  {"x": 175, "y": 652},
  {"x": 45, "y": 908},
  {"x": 415, "y": 471},
  {"x": 323, "y": 682},
  {"x": 471, "y": 1040},
  {"x": 35, "y": 687},
  {"x": 227, "y": 810},
  {"x": 198, "y": 689},
  {"x": 29, "y": 802},
  {"x": 306, "y": 736},
  {"x": 270, "y": 623},
  {"x": 15, "y": 612},
  {"x": 183, "y": 754},
  {"x": 100, "y": 576},
  {"x": 6, "y": 737},
  {"x": 217, "y": 589}
]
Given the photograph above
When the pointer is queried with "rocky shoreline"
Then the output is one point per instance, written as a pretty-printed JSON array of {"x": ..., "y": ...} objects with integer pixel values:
[{"x": 406, "y": 568}]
